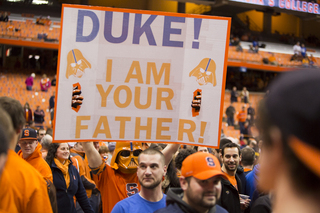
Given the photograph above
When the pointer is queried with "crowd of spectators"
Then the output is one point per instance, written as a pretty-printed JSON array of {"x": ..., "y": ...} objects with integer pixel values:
[
  {"x": 300, "y": 54},
  {"x": 76, "y": 177}
]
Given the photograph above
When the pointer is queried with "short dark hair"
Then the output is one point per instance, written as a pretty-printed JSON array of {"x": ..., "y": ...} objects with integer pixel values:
[
  {"x": 155, "y": 146},
  {"x": 6, "y": 125},
  {"x": 183, "y": 153},
  {"x": 303, "y": 178},
  {"x": 15, "y": 111},
  {"x": 223, "y": 142},
  {"x": 247, "y": 156},
  {"x": 230, "y": 145},
  {"x": 151, "y": 151},
  {"x": 49, "y": 131},
  {"x": 41, "y": 130},
  {"x": 4, "y": 144}
]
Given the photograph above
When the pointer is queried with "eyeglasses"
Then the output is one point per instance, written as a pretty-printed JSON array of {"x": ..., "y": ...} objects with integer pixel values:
[{"x": 126, "y": 153}]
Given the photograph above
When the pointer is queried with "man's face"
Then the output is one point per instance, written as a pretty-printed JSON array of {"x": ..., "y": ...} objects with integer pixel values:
[
  {"x": 150, "y": 170},
  {"x": 201, "y": 194},
  {"x": 78, "y": 147},
  {"x": 202, "y": 149},
  {"x": 231, "y": 158},
  {"x": 41, "y": 134},
  {"x": 28, "y": 146}
]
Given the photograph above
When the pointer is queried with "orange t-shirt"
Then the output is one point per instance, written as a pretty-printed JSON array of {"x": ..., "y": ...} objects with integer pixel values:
[
  {"x": 114, "y": 186},
  {"x": 242, "y": 116},
  {"x": 36, "y": 160},
  {"x": 247, "y": 170},
  {"x": 29, "y": 187},
  {"x": 232, "y": 180}
]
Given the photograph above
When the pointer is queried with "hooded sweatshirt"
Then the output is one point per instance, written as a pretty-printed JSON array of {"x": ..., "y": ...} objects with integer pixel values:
[
  {"x": 36, "y": 160},
  {"x": 175, "y": 204}
]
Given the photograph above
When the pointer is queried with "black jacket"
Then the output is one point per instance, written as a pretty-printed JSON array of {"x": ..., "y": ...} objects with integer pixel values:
[
  {"x": 230, "y": 196},
  {"x": 64, "y": 195},
  {"x": 230, "y": 111},
  {"x": 242, "y": 178},
  {"x": 175, "y": 204}
]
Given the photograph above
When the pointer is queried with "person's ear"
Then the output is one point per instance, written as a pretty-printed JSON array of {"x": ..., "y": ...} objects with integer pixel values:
[
  {"x": 183, "y": 183},
  {"x": 165, "y": 170}
]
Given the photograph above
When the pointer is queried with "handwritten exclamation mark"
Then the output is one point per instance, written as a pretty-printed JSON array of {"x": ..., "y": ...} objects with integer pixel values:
[
  {"x": 197, "y": 26},
  {"x": 202, "y": 130}
]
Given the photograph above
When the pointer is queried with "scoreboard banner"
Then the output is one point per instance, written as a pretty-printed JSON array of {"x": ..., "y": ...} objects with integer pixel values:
[
  {"x": 131, "y": 75},
  {"x": 295, "y": 5}
]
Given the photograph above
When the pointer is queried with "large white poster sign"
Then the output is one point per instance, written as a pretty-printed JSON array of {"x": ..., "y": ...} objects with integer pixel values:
[{"x": 132, "y": 75}]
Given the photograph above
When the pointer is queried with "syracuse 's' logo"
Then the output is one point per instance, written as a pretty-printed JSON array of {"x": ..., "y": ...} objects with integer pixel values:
[
  {"x": 76, "y": 63},
  {"x": 205, "y": 72}
]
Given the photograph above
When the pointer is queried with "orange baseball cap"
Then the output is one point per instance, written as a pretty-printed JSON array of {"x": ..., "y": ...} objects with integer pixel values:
[{"x": 202, "y": 166}]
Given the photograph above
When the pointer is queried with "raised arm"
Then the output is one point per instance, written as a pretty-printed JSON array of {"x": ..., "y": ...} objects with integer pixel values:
[
  {"x": 93, "y": 156},
  {"x": 169, "y": 151}
]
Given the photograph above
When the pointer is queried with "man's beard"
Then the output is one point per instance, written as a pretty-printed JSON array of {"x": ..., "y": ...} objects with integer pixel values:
[
  {"x": 152, "y": 186},
  {"x": 231, "y": 169},
  {"x": 199, "y": 201}
]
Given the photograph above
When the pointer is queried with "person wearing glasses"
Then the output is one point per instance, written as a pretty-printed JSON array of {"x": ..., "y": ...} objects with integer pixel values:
[{"x": 31, "y": 152}]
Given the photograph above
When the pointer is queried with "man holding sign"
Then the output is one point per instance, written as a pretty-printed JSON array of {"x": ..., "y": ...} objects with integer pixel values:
[
  {"x": 130, "y": 76},
  {"x": 119, "y": 180}
]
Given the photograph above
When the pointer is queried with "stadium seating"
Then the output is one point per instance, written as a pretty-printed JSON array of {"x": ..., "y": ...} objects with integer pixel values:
[
  {"x": 28, "y": 30},
  {"x": 12, "y": 85}
]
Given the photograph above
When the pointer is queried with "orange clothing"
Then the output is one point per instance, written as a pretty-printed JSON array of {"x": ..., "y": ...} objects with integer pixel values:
[
  {"x": 114, "y": 185},
  {"x": 272, "y": 59},
  {"x": 242, "y": 116},
  {"x": 247, "y": 170},
  {"x": 29, "y": 188},
  {"x": 102, "y": 144},
  {"x": 232, "y": 180},
  {"x": 36, "y": 160},
  {"x": 64, "y": 167},
  {"x": 82, "y": 167},
  {"x": 7, "y": 203}
]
